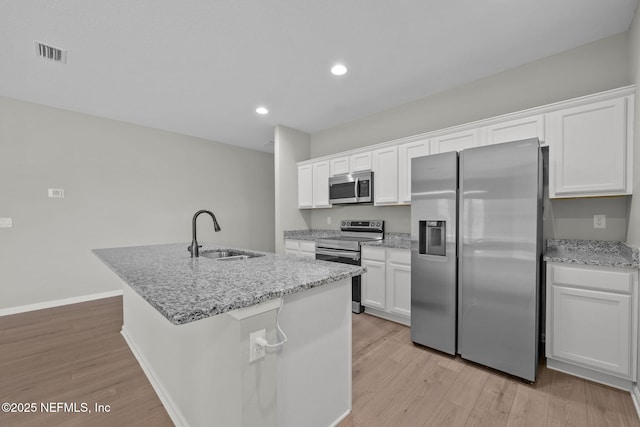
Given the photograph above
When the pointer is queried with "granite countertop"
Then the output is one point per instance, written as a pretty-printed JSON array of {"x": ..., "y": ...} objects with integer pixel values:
[
  {"x": 185, "y": 289},
  {"x": 592, "y": 252},
  {"x": 391, "y": 240},
  {"x": 311, "y": 235}
]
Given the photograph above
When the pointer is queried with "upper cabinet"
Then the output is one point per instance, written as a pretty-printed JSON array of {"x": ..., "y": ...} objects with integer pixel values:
[
  {"x": 360, "y": 162},
  {"x": 313, "y": 185},
  {"x": 385, "y": 176},
  {"x": 590, "y": 142},
  {"x": 321, "y": 185},
  {"x": 353, "y": 163},
  {"x": 305, "y": 187},
  {"x": 406, "y": 152},
  {"x": 456, "y": 141},
  {"x": 514, "y": 130},
  {"x": 590, "y": 149},
  {"x": 339, "y": 165}
]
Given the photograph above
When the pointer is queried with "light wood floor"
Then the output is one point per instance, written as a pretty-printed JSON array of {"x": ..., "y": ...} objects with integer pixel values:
[
  {"x": 76, "y": 354},
  {"x": 396, "y": 383},
  {"x": 70, "y": 354}
]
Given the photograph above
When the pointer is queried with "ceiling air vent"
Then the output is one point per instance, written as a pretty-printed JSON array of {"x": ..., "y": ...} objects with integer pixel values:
[{"x": 51, "y": 53}]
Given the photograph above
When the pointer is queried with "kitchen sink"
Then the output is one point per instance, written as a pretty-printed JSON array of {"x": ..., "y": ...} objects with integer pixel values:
[{"x": 228, "y": 255}]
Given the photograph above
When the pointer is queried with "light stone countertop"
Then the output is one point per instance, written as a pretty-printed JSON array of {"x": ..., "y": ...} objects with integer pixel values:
[
  {"x": 185, "y": 289},
  {"x": 391, "y": 240},
  {"x": 592, "y": 252}
]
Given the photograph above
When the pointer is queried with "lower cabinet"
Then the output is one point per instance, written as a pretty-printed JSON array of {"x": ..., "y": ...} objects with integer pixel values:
[
  {"x": 591, "y": 322},
  {"x": 302, "y": 248},
  {"x": 386, "y": 286}
]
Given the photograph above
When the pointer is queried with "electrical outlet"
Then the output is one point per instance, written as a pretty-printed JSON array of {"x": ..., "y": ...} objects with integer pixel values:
[
  {"x": 256, "y": 351},
  {"x": 6, "y": 223},
  {"x": 328, "y": 220},
  {"x": 599, "y": 221}
]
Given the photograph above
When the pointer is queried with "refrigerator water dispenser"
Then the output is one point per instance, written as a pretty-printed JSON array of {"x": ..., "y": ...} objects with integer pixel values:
[{"x": 432, "y": 237}]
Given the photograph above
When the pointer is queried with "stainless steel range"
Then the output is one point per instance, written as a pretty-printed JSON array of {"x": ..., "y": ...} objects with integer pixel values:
[{"x": 345, "y": 249}]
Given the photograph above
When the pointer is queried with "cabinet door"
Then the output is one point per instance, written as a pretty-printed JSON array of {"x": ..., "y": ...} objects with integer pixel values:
[
  {"x": 339, "y": 166},
  {"x": 360, "y": 162},
  {"x": 406, "y": 152},
  {"x": 307, "y": 249},
  {"x": 399, "y": 282},
  {"x": 592, "y": 328},
  {"x": 456, "y": 141},
  {"x": 588, "y": 149},
  {"x": 374, "y": 284},
  {"x": 514, "y": 130},
  {"x": 305, "y": 187},
  {"x": 385, "y": 176},
  {"x": 321, "y": 185}
]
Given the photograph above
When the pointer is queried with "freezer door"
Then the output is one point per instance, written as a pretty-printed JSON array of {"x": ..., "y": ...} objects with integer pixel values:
[
  {"x": 434, "y": 182},
  {"x": 500, "y": 219}
]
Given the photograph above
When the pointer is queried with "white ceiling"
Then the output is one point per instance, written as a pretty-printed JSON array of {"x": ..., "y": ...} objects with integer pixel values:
[{"x": 201, "y": 67}]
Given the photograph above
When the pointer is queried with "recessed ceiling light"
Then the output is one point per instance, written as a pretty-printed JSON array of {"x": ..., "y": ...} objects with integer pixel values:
[
  {"x": 262, "y": 110},
  {"x": 338, "y": 70}
]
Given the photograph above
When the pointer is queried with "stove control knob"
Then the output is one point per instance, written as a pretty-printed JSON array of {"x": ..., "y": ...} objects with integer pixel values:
[{"x": 344, "y": 223}]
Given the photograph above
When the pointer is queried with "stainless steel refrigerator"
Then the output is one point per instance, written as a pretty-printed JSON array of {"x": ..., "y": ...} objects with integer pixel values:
[{"x": 476, "y": 231}]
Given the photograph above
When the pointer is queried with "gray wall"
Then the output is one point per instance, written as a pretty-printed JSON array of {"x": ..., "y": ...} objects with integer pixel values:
[
  {"x": 591, "y": 68},
  {"x": 634, "y": 49},
  {"x": 290, "y": 146},
  {"x": 124, "y": 185}
]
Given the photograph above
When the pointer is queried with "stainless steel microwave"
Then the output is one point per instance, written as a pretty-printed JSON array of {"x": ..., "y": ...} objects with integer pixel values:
[{"x": 356, "y": 187}]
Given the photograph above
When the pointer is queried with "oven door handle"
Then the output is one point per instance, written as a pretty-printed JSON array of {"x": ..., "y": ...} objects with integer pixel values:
[{"x": 342, "y": 254}]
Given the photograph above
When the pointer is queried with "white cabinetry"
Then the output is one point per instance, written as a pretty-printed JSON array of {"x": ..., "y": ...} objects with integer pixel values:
[
  {"x": 305, "y": 187},
  {"x": 399, "y": 282},
  {"x": 313, "y": 185},
  {"x": 590, "y": 149},
  {"x": 353, "y": 163},
  {"x": 591, "y": 322},
  {"x": 456, "y": 141},
  {"x": 406, "y": 152},
  {"x": 514, "y": 130},
  {"x": 374, "y": 280},
  {"x": 385, "y": 176},
  {"x": 321, "y": 185},
  {"x": 386, "y": 286},
  {"x": 339, "y": 165},
  {"x": 301, "y": 248},
  {"x": 360, "y": 162}
]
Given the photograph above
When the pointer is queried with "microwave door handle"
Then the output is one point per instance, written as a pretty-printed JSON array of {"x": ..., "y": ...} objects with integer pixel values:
[{"x": 357, "y": 188}]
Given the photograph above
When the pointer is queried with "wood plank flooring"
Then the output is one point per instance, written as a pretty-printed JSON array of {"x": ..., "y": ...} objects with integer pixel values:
[
  {"x": 75, "y": 354},
  {"x": 396, "y": 383}
]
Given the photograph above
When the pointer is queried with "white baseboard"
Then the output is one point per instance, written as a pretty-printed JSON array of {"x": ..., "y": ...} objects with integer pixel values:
[
  {"x": 635, "y": 396},
  {"x": 388, "y": 316},
  {"x": 340, "y": 418},
  {"x": 58, "y": 303},
  {"x": 175, "y": 415}
]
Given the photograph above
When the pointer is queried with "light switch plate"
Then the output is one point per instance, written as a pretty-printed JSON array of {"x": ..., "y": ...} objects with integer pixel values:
[
  {"x": 56, "y": 193},
  {"x": 6, "y": 223},
  {"x": 599, "y": 221}
]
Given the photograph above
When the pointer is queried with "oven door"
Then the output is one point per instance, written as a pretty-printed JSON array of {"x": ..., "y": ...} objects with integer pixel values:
[{"x": 346, "y": 257}]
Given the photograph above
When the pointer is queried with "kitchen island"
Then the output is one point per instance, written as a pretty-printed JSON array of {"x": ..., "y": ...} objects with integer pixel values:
[{"x": 188, "y": 321}]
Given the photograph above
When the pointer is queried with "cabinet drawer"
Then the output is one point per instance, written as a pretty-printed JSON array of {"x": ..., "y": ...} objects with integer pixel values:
[
  {"x": 400, "y": 256},
  {"x": 593, "y": 278},
  {"x": 291, "y": 244},
  {"x": 371, "y": 253},
  {"x": 307, "y": 246}
]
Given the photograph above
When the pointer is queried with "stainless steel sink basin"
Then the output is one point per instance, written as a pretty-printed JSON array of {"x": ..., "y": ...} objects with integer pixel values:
[{"x": 228, "y": 255}]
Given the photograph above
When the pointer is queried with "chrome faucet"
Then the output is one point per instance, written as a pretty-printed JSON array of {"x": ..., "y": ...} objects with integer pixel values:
[{"x": 194, "y": 248}]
